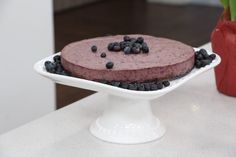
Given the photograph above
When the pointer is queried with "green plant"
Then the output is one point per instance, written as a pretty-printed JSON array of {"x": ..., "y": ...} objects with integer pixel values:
[{"x": 230, "y": 8}]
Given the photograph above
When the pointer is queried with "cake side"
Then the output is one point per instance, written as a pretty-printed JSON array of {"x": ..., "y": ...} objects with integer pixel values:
[{"x": 140, "y": 75}]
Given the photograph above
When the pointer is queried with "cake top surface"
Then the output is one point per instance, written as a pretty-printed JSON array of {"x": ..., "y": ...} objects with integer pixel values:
[{"x": 162, "y": 52}]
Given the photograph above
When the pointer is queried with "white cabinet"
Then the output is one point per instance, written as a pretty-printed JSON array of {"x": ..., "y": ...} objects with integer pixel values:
[{"x": 26, "y": 35}]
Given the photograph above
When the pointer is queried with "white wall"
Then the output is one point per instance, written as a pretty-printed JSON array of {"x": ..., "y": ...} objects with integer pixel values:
[{"x": 26, "y": 35}]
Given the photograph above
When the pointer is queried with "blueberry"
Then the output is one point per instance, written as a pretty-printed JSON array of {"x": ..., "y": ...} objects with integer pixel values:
[
  {"x": 122, "y": 45},
  {"x": 144, "y": 44},
  {"x": 126, "y": 38},
  {"x": 159, "y": 85},
  {"x": 137, "y": 45},
  {"x": 140, "y": 40},
  {"x": 94, "y": 48},
  {"x": 50, "y": 67},
  {"x": 166, "y": 83},
  {"x": 127, "y": 50},
  {"x": 57, "y": 58},
  {"x": 205, "y": 62},
  {"x": 47, "y": 63},
  {"x": 133, "y": 40},
  {"x": 116, "y": 44},
  {"x": 132, "y": 86},
  {"x": 198, "y": 64},
  {"x": 204, "y": 53},
  {"x": 199, "y": 56},
  {"x": 58, "y": 63},
  {"x": 153, "y": 86},
  {"x": 103, "y": 81},
  {"x": 64, "y": 73},
  {"x": 109, "y": 82},
  {"x": 110, "y": 46},
  {"x": 128, "y": 44},
  {"x": 212, "y": 56},
  {"x": 124, "y": 85},
  {"x": 103, "y": 55},
  {"x": 141, "y": 87},
  {"x": 117, "y": 48},
  {"x": 145, "y": 49},
  {"x": 147, "y": 86},
  {"x": 115, "y": 83},
  {"x": 59, "y": 69},
  {"x": 135, "y": 50},
  {"x": 109, "y": 65}
]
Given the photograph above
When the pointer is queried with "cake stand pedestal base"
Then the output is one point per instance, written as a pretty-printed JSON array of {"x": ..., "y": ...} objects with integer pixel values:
[{"x": 127, "y": 121}]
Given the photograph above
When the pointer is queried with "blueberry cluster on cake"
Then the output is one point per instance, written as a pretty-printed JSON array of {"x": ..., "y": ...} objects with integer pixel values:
[{"x": 137, "y": 62}]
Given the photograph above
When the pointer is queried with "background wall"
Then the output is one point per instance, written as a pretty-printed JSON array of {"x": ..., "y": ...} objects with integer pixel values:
[{"x": 26, "y": 35}]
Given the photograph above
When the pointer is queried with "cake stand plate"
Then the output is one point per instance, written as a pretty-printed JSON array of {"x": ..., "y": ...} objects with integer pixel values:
[{"x": 128, "y": 119}]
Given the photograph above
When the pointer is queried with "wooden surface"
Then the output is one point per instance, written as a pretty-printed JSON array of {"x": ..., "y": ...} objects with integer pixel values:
[{"x": 190, "y": 24}]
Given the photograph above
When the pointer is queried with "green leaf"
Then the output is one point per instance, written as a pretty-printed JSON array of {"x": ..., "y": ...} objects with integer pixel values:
[
  {"x": 232, "y": 5},
  {"x": 225, "y": 3}
]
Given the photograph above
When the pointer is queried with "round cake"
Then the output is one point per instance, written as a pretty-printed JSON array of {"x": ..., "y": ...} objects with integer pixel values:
[{"x": 158, "y": 59}]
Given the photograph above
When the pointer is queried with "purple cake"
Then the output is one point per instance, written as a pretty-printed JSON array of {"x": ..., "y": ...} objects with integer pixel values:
[{"x": 165, "y": 60}]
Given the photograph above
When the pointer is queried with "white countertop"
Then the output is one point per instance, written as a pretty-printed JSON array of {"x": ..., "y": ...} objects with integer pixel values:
[{"x": 200, "y": 123}]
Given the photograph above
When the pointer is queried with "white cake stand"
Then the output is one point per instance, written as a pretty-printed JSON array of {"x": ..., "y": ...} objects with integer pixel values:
[{"x": 128, "y": 118}]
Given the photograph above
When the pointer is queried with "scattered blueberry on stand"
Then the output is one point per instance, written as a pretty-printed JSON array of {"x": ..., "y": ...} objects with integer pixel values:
[
  {"x": 141, "y": 87},
  {"x": 124, "y": 85},
  {"x": 50, "y": 66},
  {"x": 166, "y": 83},
  {"x": 212, "y": 56},
  {"x": 144, "y": 86},
  {"x": 159, "y": 85},
  {"x": 132, "y": 86},
  {"x": 57, "y": 59},
  {"x": 153, "y": 86},
  {"x": 55, "y": 66},
  {"x": 116, "y": 83},
  {"x": 202, "y": 58},
  {"x": 147, "y": 86}
]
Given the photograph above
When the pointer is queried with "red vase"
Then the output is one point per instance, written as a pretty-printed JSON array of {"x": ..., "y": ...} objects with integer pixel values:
[{"x": 223, "y": 41}]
